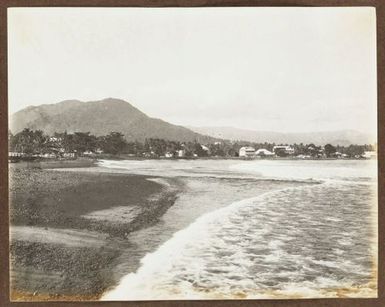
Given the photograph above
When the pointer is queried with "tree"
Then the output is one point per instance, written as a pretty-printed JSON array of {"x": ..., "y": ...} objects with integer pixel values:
[
  {"x": 300, "y": 149},
  {"x": 355, "y": 150},
  {"x": 329, "y": 150},
  {"x": 199, "y": 151},
  {"x": 313, "y": 150},
  {"x": 79, "y": 142},
  {"x": 83, "y": 141},
  {"x": 217, "y": 150},
  {"x": 11, "y": 142},
  {"x": 64, "y": 141},
  {"x": 113, "y": 143},
  {"x": 281, "y": 152},
  {"x": 29, "y": 141}
]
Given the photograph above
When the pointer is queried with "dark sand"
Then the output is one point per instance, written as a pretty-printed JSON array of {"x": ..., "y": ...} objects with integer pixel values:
[{"x": 59, "y": 253}]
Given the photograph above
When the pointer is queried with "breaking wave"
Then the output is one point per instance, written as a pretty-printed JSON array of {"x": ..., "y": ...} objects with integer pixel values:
[{"x": 311, "y": 240}]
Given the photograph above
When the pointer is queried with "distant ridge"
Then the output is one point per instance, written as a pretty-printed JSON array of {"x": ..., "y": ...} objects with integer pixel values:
[
  {"x": 341, "y": 137},
  {"x": 104, "y": 116},
  {"x": 100, "y": 117}
]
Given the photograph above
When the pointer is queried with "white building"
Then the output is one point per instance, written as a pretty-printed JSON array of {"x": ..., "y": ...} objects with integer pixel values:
[
  {"x": 264, "y": 152},
  {"x": 205, "y": 148},
  {"x": 15, "y": 154},
  {"x": 48, "y": 155},
  {"x": 247, "y": 152},
  {"x": 369, "y": 154},
  {"x": 181, "y": 153},
  {"x": 69, "y": 155}
]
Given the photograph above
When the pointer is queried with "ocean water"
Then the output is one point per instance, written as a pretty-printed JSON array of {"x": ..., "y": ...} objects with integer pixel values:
[{"x": 255, "y": 229}]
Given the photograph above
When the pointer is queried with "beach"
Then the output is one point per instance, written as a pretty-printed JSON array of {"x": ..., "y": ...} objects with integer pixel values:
[
  {"x": 59, "y": 249},
  {"x": 151, "y": 229}
]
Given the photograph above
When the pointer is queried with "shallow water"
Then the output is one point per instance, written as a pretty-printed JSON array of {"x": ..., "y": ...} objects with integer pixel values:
[{"x": 255, "y": 229}]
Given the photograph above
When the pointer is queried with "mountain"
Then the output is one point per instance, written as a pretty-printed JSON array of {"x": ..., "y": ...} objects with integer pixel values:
[
  {"x": 107, "y": 115},
  {"x": 342, "y": 137},
  {"x": 100, "y": 118}
]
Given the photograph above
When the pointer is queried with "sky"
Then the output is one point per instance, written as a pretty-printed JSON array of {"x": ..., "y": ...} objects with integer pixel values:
[{"x": 275, "y": 69}]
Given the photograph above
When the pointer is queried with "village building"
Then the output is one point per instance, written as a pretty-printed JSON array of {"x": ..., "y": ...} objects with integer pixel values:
[
  {"x": 205, "y": 148},
  {"x": 369, "y": 154},
  {"x": 181, "y": 153},
  {"x": 262, "y": 152},
  {"x": 336, "y": 154},
  {"x": 69, "y": 155},
  {"x": 15, "y": 154},
  {"x": 247, "y": 152},
  {"x": 49, "y": 155}
]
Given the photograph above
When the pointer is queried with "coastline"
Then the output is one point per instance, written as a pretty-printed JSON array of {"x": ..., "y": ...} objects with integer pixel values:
[
  {"x": 69, "y": 228},
  {"x": 100, "y": 247},
  {"x": 91, "y": 161}
]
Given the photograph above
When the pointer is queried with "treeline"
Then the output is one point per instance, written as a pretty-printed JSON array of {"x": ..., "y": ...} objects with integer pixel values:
[
  {"x": 35, "y": 142},
  {"x": 329, "y": 150}
]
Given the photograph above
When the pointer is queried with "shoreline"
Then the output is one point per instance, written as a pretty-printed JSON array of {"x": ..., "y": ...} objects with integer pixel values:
[
  {"x": 102, "y": 269},
  {"x": 52, "y": 211},
  {"x": 54, "y": 163},
  {"x": 92, "y": 161}
]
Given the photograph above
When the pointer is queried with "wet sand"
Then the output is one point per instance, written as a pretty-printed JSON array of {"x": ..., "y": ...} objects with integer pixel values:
[{"x": 69, "y": 228}]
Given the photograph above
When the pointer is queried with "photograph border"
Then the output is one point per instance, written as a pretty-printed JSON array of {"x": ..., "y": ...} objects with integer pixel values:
[{"x": 4, "y": 208}]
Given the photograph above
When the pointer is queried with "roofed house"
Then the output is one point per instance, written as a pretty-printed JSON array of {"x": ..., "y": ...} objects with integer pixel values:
[
  {"x": 247, "y": 152},
  {"x": 264, "y": 153},
  {"x": 181, "y": 153}
]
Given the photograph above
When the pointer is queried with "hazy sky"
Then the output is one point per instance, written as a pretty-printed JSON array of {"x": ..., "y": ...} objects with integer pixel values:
[{"x": 279, "y": 69}]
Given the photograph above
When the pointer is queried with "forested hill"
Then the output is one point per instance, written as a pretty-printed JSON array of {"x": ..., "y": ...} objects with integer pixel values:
[{"x": 100, "y": 118}]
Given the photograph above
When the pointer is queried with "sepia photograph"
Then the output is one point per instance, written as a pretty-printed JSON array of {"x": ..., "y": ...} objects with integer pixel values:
[{"x": 208, "y": 153}]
